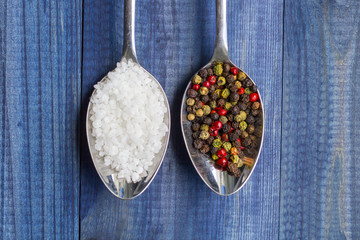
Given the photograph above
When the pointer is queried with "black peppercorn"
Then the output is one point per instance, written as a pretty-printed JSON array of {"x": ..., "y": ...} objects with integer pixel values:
[
  {"x": 221, "y": 102},
  {"x": 235, "y": 125},
  {"x": 245, "y": 98},
  {"x": 195, "y": 127},
  {"x": 234, "y": 89},
  {"x": 204, "y": 98},
  {"x": 242, "y": 106},
  {"x": 241, "y": 154},
  {"x": 214, "y": 116},
  {"x": 250, "y": 119},
  {"x": 253, "y": 88},
  {"x": 244, "y": 134},
  {"x": 258, "y": 132},
  {"x": 234, "y": 97},
  {"x": 235, "y": 110},
  {"x": 192, "y": 93},
  {"x": 226, "y": 128},
  {"x": 226, "y": 67},
  {"x": 198, "y": 104},
  {"x": 255, "y": 112},
  {"x": 205, "y": 148},
  {"x": 207, "y": 121},
  {"x": 196, "y": 135},
  {"x": 212, "y": 88},
  {"x": 225, "y": 74},
  {"x": 230, "y": 117},
  {"x": 214, "y": 95},
  {"x": 203, "y": 73},
  {"x": 210, "y": 72},
  {"x": 258, "y": 122},
  {"x": 230, "y": 79},
  {"x": 231, "y": 167},
  {"x": 250, "y": 129},
  {"x": 247, "y": 111},
  {"x": 232, "y": 137},
  {"x": 209, "y": 140},
  {"x": 189, "y": 109},
  {"x": 246, "y": 142},
  {"x": 236, "y": 144},
  {"x": 237, "y": 132},
  {"x": 198, "y": 144},
  {"x": 247, "y": 83}
]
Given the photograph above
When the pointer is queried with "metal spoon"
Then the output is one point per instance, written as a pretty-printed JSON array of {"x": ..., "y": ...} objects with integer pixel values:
[
  {"x": 219, "y": 181},
  {"x": 122, "y": 189}
]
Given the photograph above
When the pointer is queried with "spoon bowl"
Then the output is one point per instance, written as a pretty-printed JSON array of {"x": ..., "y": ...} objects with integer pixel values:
[
  {"x": 120, "y": 187},
  {"x": 218, "y": 181}
]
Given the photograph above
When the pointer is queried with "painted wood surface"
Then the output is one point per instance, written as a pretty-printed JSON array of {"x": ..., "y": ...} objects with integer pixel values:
[
  {"x": 320, "y": 167},
  {"x": 303, "y": 55},
  {"x": 173, "y": 40},
  {"x": 40, "y": 69}
]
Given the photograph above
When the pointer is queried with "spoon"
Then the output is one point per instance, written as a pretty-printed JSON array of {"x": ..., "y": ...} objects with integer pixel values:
[
  {"x": 121, "y": 188},
  {"x": 218, "y": 181}
]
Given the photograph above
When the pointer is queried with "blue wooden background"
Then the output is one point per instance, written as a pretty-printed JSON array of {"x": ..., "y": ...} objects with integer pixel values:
[{"x": 303, "y": 55}]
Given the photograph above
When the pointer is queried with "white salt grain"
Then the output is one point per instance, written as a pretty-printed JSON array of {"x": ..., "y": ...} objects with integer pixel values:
[{"x": 127, "y": 116}]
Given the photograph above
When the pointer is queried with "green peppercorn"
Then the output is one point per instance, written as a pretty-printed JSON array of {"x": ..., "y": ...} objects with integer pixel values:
[
  {"x": 204, "y": 135},
  {"x": 223, "y": 119},
  {"x": 221, "y": 81},
  {"x": 213, "y": 104},
  {"x": 241, "y": 76},
  {"x": 217, "y": 143},
  {"x": 204, "y": 127},
  {"x": 234, "y": 103},
  {"x": 218, "y": 69},
  {"x": 206, "y": 109},
  {"x": 214, "y": 157},
  {"x": 240, "y": 163},
  {"x": 238, "y": 84},
  {"x": 227, "y": 146},
  {"x": 199, "y": 113},
  {"x": 235, "y": 158},
  {"x": 204, "y": 91},
  {"x": 227, "y": 106},
  {"x": 225, "y": 93},
  {"x": 247, "y": 91},
  {"x": 190, "y": 101},
  {"x": 241, "y": 116},
  {"x": 190, "y": 117},
  {"x": 243, "y": 125},
  {"x": 196, "y": 79}
]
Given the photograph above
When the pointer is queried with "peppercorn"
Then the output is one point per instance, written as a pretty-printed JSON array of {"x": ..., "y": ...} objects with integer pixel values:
[
  {"x": 231, "y": 167},
  {"x": 244, "y": 134},
  {"x": 190, "y": 117},
  {"x": 204, "y": 90},
  {"x": 245, "y": 98},
  {"x": 207, "y": 121},
  {"x": 190, "y": 101},
  {"x": 198, "y": 104},
  {"x": 247, "y": 83},
  {"x": 255, "y": 105},
  {"x": 226, "y": 128},
  {"x": 214, "y": 116},
  {"x": 241, "y": 154},
  {"x": 192, "y": 93},
  {"x": 255, "y": 112},
  {"x": 189, "y": 109},
  {"x": 238, "y": 84},
  {"x": 230, "y": 79},
  {"x": 233, "y": 89},
  {"x": 258, "y": 132},
  {"x": 253, "y": 88},
  {"x": 227, "y": 106},
  {"x": 242, "y": 106},
  {"x": 258, "y": 121},
  {"x": 230, "y": 117},
  {"x": 195, "y": 127},
  {"x": 225, "y": 93},
  {"x": 209, "y": 140},
  {"x": 217, "y": 143},
  {"x": 236, "y": 144},
  {"x": 227, "y": 146},
  {"x": 241, "y": 76},
  {"x": 226, "y": 67},
  {"x": 205, "y": 149},
  {"x": 210, "y": 72},
  {"x": 247, "y": 91},
  {"x": 203, "y": 73},
  {"x": 250, "y": 119},
  {"x": 246, "y": 142},
  {"x": 232, "y": 137},
  {"x": 235, "y": 110},
  {"x": 204, "y": 135},
  {"x": 218, "y": 69},
  {"x": 243, "y": 125},
  {"x": 237, "y": 132},
  {"x": 241, "y": 116},
  {"x": 206, "y": 109},
  {"x": 234, "y": 97},
  {"x": 199, "y": 113},
  {"x": 247, "y": 111},
  {"x": 233, "y": 151},
  {"x": 205, "y": 98},
  {"x": 240, "y": 163},
  {"x": 221, "y": 102},
  {"x": 198, "y": 144},
  {"x": 221, "y": 81},
  {"x": 223, "y": 119},
  {"x": 196, "y": 79},
  {"x": 235, "y": 125},
  {"x": 204, "y": 127},
  {"x": 214, "y": 157},
  {"x": 213, "y": 104},
  {"x": 214, "y": 150},
  {"x": 212, "y": 88}
]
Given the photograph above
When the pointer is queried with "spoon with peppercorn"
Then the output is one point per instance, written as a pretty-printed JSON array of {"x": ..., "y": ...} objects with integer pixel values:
[
  {"x": 222, "y": 118},
  {"x": 127, "y": 154}
]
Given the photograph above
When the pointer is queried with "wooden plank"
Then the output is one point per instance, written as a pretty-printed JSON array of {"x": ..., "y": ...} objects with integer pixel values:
[
  {"x": 40, "y": 61},
  {"x": 174, "y": 39},
  {"x": 320, "y": 144}
]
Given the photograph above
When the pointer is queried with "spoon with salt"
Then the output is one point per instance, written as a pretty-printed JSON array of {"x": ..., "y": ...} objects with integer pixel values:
[
  {"x": 121, "y": 187},
  {"x": 221, "y": 182}
]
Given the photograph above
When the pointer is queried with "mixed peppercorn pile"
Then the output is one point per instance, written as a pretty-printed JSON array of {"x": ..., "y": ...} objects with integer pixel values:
[{"x": 224, "y": 108}]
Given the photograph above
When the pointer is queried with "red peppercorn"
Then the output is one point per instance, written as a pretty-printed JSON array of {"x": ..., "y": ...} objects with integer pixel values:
[
  {"x": 217, "y": 125},
  {"x": 213, "y": 132},
  {"x": 234, "y": 70},
  {"x": 239, "y": 140},
  {"x": 196, "y": 87},
  {"x": 223, "y": 162},
  {"x": 222, "y": 112},
  {"x": 242, "y": 148},
  {"x": 211, "y": 80},
  {"x": 212, "y": 111},
  {"x": 241, "y": 91},
  {"x": 253, "y": 97},
  {"x": 221, "y": 153},
  {"x": 203, "y": 103},
  {"x": 206, "y": 84},
  {"x": 225, "y": 137}
]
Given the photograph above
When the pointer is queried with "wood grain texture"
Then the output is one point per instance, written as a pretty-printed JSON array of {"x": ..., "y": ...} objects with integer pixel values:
[
  {"x": 320, "y": 145},
  {"x": 40, "y": 45},
  {"x": 173, "y": 40}
]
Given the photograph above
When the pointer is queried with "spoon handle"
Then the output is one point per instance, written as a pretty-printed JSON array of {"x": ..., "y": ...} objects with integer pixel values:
[
  {"x": 221, "y": 44},
  {"x": 129, "y": 51}
]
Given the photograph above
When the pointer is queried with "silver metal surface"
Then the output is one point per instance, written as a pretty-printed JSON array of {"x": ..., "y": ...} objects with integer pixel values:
[
  {"x": 122, "y": 189},
  {"x": 219, "y": 181}
]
